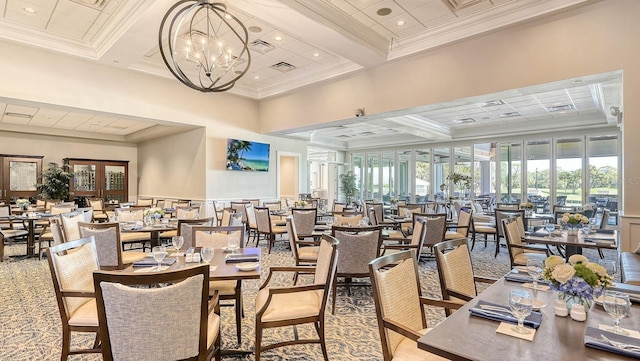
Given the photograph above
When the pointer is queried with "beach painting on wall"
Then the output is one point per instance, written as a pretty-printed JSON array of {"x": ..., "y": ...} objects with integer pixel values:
[{"x": 247, "y": 156}]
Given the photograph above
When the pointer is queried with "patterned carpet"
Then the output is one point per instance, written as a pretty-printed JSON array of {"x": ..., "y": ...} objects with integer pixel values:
[{"x": 30, "y": 322}]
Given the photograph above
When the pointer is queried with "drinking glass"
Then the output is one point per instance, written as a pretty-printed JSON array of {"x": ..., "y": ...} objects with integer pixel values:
[
  {"x": 535, "y": 268},
  {"x": 550, "y": 227},
  {"x": 159, "y": 253},
  {"x": 206, "y": 253},
  {"x": 364, "y": 221},
  {"x": 233, "y": 242},
  {"x": 177, "y": 242},
  {"x": 617, "y": 306},
  {"x": 521, "y": 304},
  {"x": 609, "y": 266}
]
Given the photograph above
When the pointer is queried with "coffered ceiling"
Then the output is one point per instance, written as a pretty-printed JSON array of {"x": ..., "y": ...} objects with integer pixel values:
[{"x": 317, "y": 40}]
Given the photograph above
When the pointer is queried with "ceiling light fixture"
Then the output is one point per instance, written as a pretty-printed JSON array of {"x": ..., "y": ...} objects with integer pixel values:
[
  {"x": 30, "y": 10},
  {"x": 400, "y": 23},
  {"x": 278, "y": 38},
  {"x": 206, "y": 46}
]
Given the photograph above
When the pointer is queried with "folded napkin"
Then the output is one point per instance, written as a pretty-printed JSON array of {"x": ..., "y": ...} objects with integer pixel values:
[
  {"x": 605, "y": 231},
  {"x": 149, "y": 261},
  {"x": 533, "y": 320},
  {"x": 239, "y": 258},
  {"x": 522, "y": 277},
  {"x": 592, "y": 338},
  {"x": 539, "y": 234}
]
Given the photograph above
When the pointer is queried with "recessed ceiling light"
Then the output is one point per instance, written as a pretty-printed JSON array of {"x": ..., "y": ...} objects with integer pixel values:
[
  {"x": 228, "y": 16},
  {"x": 256, "y": 77},
  {"x": 400, "y": 23},
  {"x": 278, "y": 38},
  {"x": 383, "y": 11},
  {"x": 30, "y": 10},
  {"x": 316, "y": 54},
  {"x": 255, "y": 29}
]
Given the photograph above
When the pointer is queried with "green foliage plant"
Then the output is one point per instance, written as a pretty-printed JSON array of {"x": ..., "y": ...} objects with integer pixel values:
[
  {"x": 348, "y": 186},
  {"x": 54, "y": 183}
]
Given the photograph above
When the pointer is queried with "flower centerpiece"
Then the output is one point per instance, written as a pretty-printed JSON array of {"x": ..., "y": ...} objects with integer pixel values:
[
  {"x": 23, "y": 203},
  {"x": 462, "y": 180},
  {"x": 573, "y": 221},
  {"x": 153, "y": 215},
  {"x": 302, "y": 204},
  {"x": 528, "y": 207},
  {"x": 577, "y": 282}
]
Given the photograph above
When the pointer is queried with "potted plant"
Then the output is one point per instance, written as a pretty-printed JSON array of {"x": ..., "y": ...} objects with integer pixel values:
[
  {"x": 54, "y": 183},
  {"x": 348, "y": 182}
]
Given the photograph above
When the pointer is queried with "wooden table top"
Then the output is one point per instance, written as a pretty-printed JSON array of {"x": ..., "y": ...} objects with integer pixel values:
[
  {"x": 465, "y": 337},
  {"x": 593, "y": 240}
]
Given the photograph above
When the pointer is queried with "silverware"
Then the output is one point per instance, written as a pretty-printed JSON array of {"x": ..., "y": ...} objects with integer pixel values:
[
  {"x": 495, "y": 308},
  {"x": 494, "y": 313},
  {"x": 620, "y": 345}
]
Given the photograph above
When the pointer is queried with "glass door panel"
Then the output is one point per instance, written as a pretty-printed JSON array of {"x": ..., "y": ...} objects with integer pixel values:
[
  {"x": 462, "y": 165},
  {"x": 373, "y": 177},
  {"x": 603, "y": 174},
  {"x": 388, "y": 175},
  {"x": 423, "y": 175},
  {"x": 115, "y": 182},
  {"x": 404, "y": 184},
  {"x": 510, "y": 172},
  {"x": 358, "y": 171},
  {"x": 484, "y": 171},
  {"x": 569, "y": 172},
  {"x": 538, "y": 174},
  {"x": 441, "y": 169}
]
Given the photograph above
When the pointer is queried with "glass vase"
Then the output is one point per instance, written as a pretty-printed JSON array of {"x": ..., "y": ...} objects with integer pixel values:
[{"x": 571, "y": 300}]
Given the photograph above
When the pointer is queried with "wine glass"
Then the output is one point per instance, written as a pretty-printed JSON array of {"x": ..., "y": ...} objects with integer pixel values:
[
  {"x": 206, "y": 253},
  {"x": 617, "y": 305},
  {"x": 159, "y": 253},
  {"x": 550, "y": 227},
  {"x": 609, "y": 266},
  {"x": 233, "y": 242},
  {"x": 177, "y": 242},
  {"x": 364, "y": 221},
  {"x": 535, "y": 268},
  {"x": 521, "y": 304}
]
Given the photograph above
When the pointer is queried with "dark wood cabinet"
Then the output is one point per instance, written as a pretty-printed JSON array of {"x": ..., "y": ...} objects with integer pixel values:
[
  {"x": 94, "y": 178},
  {"x": 19, "y": 175}
]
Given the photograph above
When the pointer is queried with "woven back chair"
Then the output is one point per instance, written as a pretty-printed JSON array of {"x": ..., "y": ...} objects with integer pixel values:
[
  {"x": 99, "y": 212},
  {"x": 305, "y": 220},
  {"x": 273, "y": 305},
  {"x": 378, "y": 209},
  {"x": 501, "y": 214},
  {"x": 350, "y": 219},
  {"x": 72, "y": 265},
  {"x": 461, "y": 230},
  {"x": 185, "y": 227},
  {"x": 126, "y": 311},
  {"x": 144, "y": 202},
  {"x": 188, "y": 212},
  {"x": 358, "y": 246},
  {"x": 520, "y": 252},
  {"x": 55, "y": 210},
  {"x": 414, "y": 243},
  {"x": 109, "y": 245},
  {"x": 266, "y": 227},
  {"x": 305, "y": 253},
  {"x": 399, "y": 306},
  {"x": 129, "y": 214},
  {"x": 240, "y": 207},
  {"x": 69, "y": 222}
]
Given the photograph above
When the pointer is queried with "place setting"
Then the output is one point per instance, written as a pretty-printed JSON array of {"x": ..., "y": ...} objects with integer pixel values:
[
  {"x": 518, "y": 319},
  {"x": 614, "y": 338}
]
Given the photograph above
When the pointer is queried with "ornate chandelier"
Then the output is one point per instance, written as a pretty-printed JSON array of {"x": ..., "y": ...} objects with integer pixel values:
[{"x": 203, "y": 45}]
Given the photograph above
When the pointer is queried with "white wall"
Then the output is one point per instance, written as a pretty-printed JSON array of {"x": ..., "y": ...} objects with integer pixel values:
[{"x": 55, "y": 149}]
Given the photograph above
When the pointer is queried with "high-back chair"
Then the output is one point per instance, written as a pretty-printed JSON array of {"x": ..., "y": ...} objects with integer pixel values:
[
  {"x": 400, "y": 306},
  {"x": 252, "y": 226},
  {"x": 144, "y": 202},
  {"x": 185, "y": 229},
  {"x": 132, "y": 214},
  {"x": 520, "y": 253},
  {"x": 358, "y": 246},
  {"x": 415, "y": 242},
  {"x": 266, "y": 227},
  {"x": 228, "y": 290},
  {"x": 108, "y": 245},
  {"x": 305, "y": 253},
  {"x": 500, "y": 214},
  {"x": 350, "y": 219},
  {"x": 59, "y": 209},
  {"x": 436, "y": 228},
  {"x": 273, "y": 305},
  {"x": 461, "y": 230},
  {"x": 226, "y": 218},
  {"x": 338, "y": 206},
  {"x": 99, "y": 212},
  {"x": 135, "y": 321},
  {"x": 455, "y": 272},
  {"x": 305, "y": 220},
  {"x": 240, "y": 207},
  {"x": 188, "y": 212},
  {"x": 254, "y": 202},
  {"x": 69, "y": 222},
  {"x": 180, "y": 203},
  {"x": 72, "y": 265}
]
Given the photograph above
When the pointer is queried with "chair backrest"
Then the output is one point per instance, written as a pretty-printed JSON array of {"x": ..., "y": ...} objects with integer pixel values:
[
  {"x": 107, "y": 242},
  {"x": 411, "y": 208},
  {"x": 185, "y": 226},
  {"x": 49, "y": 203},
  {"x": 305, "y": 220},
  {"x": 262, "y": 219},
  {"x": 251, "y": 215},
  {"x": 436, "y": 227},
  {"x": 604, "y": 221},
  {"x": 55, "y": 209},
  {"x": 464, "y": 222},
  {"x": 378, "y": 209},
  {"x": 358, "y": 246},
  {"x": 563, "y": 208},
  {"x": 216, "y": 237},
  {"x": 326, "y": 266},
  {"x": 226, "y": 216},
  {"x": 56, "y": 230},
  {"x": 240, "y": 207},
  {"x": 396, "y": 292},
  {"x": 72, "y": 265},
  {"x": 455, "y": 269},
  {"x": 180, "y": 203},
  {"x": 5, "y": 210},
  {"x": 373, "y": 218},
  {"x": 351, "y": 219},
  {"x": 501, "y": 214},
  {"x": 188, "y": 212},
  {"x": 513, "y": 238},
  {"x": 129, "y": 214},
  {"x": 293, "y": 238},
  {"x": 87, "y": 213},
  {"x": 338, "y": 207},
  {"x": 144, "y": 202},
  {"x": 69, "y": 223},
  {"x": 510, "y": 206},
  {"x": 97, "y": 204},
  {"x": 255, "y": 202},
  {"x": 273, "y": 206},
  {"x": 135, "y": 321}
]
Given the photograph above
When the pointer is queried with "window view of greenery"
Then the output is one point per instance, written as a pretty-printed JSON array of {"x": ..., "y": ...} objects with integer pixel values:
[{"x": 423, "y": 174}]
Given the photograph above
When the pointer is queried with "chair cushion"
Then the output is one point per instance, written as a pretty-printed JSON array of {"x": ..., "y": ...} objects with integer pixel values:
[
  {"x": 129, "y": 257},
  {"x": 85, "y": 315},
  {"x": 169, "y": 234},
  {"x": 394, "y": 234},
  {"x": 278, "y": 229},
  {"x": 630, "y": 268},
  {"x": 521, "y": 259},
  {"x": 224, "y": 288},
  {"x": 453, "y": 235},
  {"x": 289, "y": 306},
  {"x": 484, "y": 228},
  {"x": 128, "y": 237},
  {"x": 11, "y": 233},
  {"x": 213, "y": 328},
  {"x": 308, "y": 253},
  {"x": 408, "y": 350}
]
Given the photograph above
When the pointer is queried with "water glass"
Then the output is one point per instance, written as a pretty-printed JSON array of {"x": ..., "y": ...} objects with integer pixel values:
[
  {"x": 550, "y": 227},
  {"x": 159, "y": 253},
  {"x": 609, "y": 266},
  {"x": 364, "y": 221},
  {"x": 617, "y": 305},
  {"x": 535, "y": 268},
  {"x": 206, "y": 253},
  {"x": 177, "y": 242},
  {"x": 233, "y": 243},
  {"x": 521, "y": 304}
]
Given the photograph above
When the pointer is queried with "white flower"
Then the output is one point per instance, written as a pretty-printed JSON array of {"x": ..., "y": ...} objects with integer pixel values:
[
  {"x": 598, "y": 269},
  {"x": 553, "y": 261},
  {"x": 565, "y": 217},
  {"x": 563, "y": 272},
  {"x": 578, "y": 258}
]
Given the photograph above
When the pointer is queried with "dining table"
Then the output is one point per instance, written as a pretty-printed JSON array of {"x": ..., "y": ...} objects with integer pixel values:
[
  {"x": 463, "y": 336},
  {"x": 573, "y": 243},
  {"x": 154, "y": 230},
  {"x": 29, "y": 219}
]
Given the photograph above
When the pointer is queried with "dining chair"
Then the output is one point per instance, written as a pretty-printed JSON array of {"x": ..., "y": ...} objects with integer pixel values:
[
  {"x": 72, "y": 265},
  {"x": 57, "y": 209},
  {"x": 305, "y": 220},
  {"x": 305, "y": 253},
  {"x": 108, "y": 245},
  {"x": 228, "y": 290},
  {"x": 185, "y": 229},
  {"x": 240, "y": 208},
  {"x": 378, "y": 209},
  {"x": 226, "y": 218},
  {"x": 338, "y": 206},
  {"x": 499, "y": 215},
  {"x": 255, "y": 202},
  {"x": 455, "y": 272},
  {"x": 509, "y": 206},
  {"x": 484, "y": 229},
  {"x": 132, "y": 214},
  {"x": 358, "y": 246},
  {"x": 157, "y": 316},
  {"x": 266, "y": 227},
  {"x": 144, "y": 202},
  {"x": 415, "y": 242},
  {"x": 460, "y": 230},
  {"x": 49, "y": 203},
  {"x": 436, "y": 227},
  {"x": 69, "y": 222},
  {"x": 180, "y": 203},
  {"x": 252, "y": 226},
  {"x": 351, "y": 219},
  {"x": 520, "y": 253},
  {"x": 7, "y": 232},
  {"x": 51, "y": 233},
  {"x": 298, "y": 304},
  {"x": 399, "y": 303},
  {"x": 99, "y": 212},
  {"x": 187, "y": 212}
]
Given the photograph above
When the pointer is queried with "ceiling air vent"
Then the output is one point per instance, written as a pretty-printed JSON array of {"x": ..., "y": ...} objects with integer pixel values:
[
  {"x": 456, "y": 5},
  {"x": 283, "y": 67},
  {"x": 491, "y": 103},
  {"x": 510, "y": 115},
  {"x": 94, "y": 4},
  {"x": 464, "y": 121},
  {"x": 560, "y": 108},
  {"x": 261, "y": 46},
  {"x": 18, "y": 115}
]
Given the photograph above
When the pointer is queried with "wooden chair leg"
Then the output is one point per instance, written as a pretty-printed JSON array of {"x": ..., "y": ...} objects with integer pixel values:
[
  {"x": 335, "y": 294},
  {"x": 320, "y": 329},
  {"x": 1, "y": 247},
  {"x": 66, "y": 343},
  {"x": 258, "y": 340}
]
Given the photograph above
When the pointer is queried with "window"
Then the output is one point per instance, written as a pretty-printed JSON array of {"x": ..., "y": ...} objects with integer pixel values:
[
  {"x": 441, "y": 169},
  {"x": 423, "y": 175},
  {"x": 484, "y": 169},
  {"x": 569, "y": 172},
  {"x": 388, "y": 174},
  {"x": 537, "y": 179},
  {"x": 404, "y": 180},
  {"x": 510, "y": 172}
]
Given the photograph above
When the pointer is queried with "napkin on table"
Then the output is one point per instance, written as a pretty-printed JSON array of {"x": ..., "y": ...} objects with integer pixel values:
[
  {"x": 592, "y": 339},
  {"x": 533, "y": 320}
]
